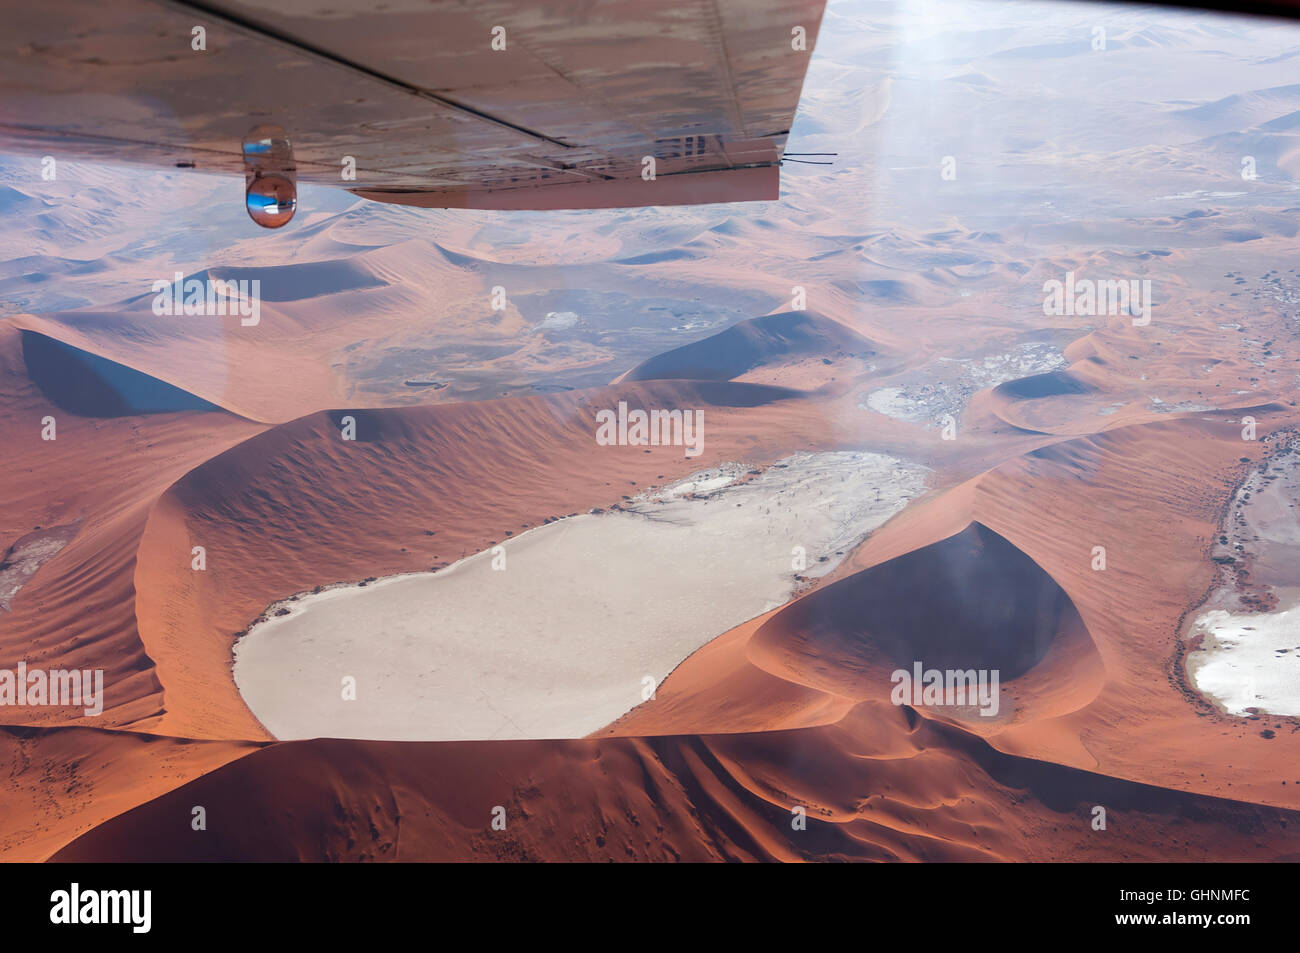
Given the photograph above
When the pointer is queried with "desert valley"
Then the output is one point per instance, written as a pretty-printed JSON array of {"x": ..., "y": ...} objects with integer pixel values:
[{"x": 364, "y": 581}]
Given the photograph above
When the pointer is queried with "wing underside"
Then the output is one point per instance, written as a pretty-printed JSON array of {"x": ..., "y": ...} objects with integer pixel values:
[{"x": 491, "y": 104}]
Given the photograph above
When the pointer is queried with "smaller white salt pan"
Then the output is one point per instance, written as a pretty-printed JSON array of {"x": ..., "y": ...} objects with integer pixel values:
[{"x": 1249, "y": 660}]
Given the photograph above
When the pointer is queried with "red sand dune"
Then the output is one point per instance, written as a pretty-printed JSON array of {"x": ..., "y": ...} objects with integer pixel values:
[
  {"x": 779, "y": 339},
  {"x": 971, "y": 601},
  {"x": 789, "y": 710},
  {"x": 881, "y": 784},
  {"x": 297, "y": 507},
  {"x": 1151, "y": 494},
  {"x": 175, "y": 432}
]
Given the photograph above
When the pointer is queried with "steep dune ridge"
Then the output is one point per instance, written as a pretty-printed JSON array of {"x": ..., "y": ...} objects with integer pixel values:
[
  {"x": 308, "y": 315},
  {"x": 86, "y": 384},
  {"x": 1120, "y": 608},
  {"x": 298, "y": 506},
  {"x": 1120, "y": 374},
  {"x": 801, "y": 694},
  {"x": 1044, "y": 403},
  {"x": 214, "y": 359},
  {"x": 61, "y": 782},
  {"x": 1067, "y": 528},
  {"x": 77, "y": 610},
  {"x": 771, "y": 339},
  {"x": 1052, "y": 384},
  {"x": 969, "y": 602},
  {"x": 880, "y": 785}
]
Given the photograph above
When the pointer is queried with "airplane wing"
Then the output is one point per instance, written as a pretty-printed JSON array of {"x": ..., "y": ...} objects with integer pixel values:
[{"x": 499, "y": 104}]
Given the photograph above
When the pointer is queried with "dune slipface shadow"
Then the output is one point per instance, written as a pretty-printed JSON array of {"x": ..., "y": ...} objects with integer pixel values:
[
  {"x": 1038, "y": 386},
  {"x": 1044, "y": 403},
  {"x": 972, "y": 601},
  {"x": 92, "y": 386}
]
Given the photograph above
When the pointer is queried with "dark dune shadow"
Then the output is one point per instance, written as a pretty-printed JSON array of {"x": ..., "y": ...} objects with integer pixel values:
[
  {"x": 970, "y": 601},
  {"x": 1038, "y": 386},
  {"x": 750, "y": 344},
  {"x": 88, "y": 385}
]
